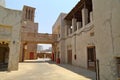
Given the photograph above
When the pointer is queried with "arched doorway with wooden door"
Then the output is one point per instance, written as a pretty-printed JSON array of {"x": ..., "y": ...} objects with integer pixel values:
[{"x": 4, "y": 56}]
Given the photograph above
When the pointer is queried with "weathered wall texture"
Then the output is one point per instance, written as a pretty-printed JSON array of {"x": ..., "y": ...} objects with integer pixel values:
[
  {"x": 105, "y": 26},
  {"x": 2, "y": 3},
  {"x": 12, "y": 18},
  {"x": 58, "y": 28},
  {"x": 28, "y": 27},
  {"x": 78, "y": 43},
  {"x": 28, "y": 33},
  {"x": 107, "y": 35},
  {"x": 31, "y": 47}
]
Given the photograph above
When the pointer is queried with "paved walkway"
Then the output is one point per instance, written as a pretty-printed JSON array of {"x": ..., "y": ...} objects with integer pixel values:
[{"x": 43, "y": 70}]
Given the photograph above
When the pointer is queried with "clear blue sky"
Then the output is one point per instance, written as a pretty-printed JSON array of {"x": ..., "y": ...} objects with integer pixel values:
[{"x": 47, "y": 11}]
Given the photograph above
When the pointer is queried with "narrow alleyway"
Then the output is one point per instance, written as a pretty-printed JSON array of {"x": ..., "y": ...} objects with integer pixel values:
[{"x": 46, "y": 70}]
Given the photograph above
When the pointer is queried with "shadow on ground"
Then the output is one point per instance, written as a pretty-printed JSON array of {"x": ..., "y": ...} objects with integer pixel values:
[
  {"x": 78, "y": 70},
  {"x": 33, "y": 61}
]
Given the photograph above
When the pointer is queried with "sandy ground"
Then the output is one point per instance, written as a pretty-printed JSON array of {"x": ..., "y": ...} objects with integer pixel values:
[{"x": 44, "y": 70}]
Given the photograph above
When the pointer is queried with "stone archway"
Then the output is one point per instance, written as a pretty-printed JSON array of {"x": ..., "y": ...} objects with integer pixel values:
[{"x": 4, "y": 56}]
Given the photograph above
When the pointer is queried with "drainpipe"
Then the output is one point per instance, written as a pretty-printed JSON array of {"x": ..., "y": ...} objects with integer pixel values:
[{"x": 97, "y": 70}]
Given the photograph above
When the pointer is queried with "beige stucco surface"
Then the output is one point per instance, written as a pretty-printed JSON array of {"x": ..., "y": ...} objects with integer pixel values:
[
  {"x": 58, "y": 28},
  {"x": 107, "y": 36},
  {"x": 28, "y": 27},
  {"x": 106, "y": 39},
  {"x": 79, "y": 43},
  {"x": 2, "y": 3},
  {"x": 11, "y": 18},
  {"x": 105, "y": 25}
]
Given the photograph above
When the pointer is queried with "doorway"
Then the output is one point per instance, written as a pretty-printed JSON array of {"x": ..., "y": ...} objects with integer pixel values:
[
  {"x": 4, "y": 56},
  {"x": 69, "y": 57},
  {"x": 91, "y": 58},
  {"x": 31, "y": 55}
]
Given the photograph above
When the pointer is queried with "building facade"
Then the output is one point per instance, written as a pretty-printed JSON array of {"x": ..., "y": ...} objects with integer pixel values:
[
  {"x": 58, "y": 28},
  {"x": 10, "y": 39},
  {"x": 14, "y": 24},
  {"x": 28, "y": 49},
  {"x": 106, "y": 21},
  {"x": 30, "y": 36},
  {"x": 19, "y": 37},
  {"x": 89, "y": 37}
]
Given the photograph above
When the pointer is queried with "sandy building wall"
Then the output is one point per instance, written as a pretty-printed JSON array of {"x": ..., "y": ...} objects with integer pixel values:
[
  {"x": 12, "y": 18},
  {"x": 107, "y": 36}
]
